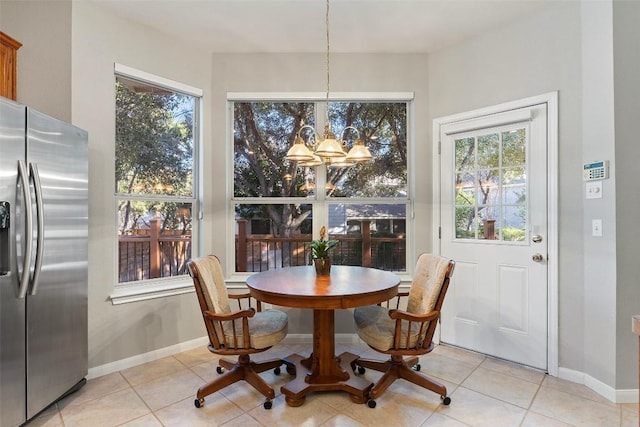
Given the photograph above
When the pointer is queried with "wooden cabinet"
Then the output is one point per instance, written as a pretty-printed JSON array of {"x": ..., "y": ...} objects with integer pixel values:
[{"x": 8, "y": 65}]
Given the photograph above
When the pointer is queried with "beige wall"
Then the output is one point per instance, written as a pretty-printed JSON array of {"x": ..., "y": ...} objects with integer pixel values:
[
  {"x": 100, "y": 40},
  {"x": 598, "y": 135},
  {"x": 536, "y": 55},
  {"x": 626, "y": 38},
  {"x": 44, "y": 60},
  {"x": 568, "y": 47}
]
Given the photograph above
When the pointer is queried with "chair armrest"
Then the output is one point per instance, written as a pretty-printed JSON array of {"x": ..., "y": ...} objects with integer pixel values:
[
  {"x": 216, "y": 332},
  {"x": 420, "y": 318},
  {"x": 249, "y": 312},
  {"x": 422, "y": 322},
  {"x": 247, "y": 296}
]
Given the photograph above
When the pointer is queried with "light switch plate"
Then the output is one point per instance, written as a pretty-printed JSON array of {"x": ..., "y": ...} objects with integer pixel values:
[{"x": 596, "y": 227}]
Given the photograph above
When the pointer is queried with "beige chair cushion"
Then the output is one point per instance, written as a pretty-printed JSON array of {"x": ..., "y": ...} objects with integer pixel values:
[
  {"x": 376, "y": 328},
  {"x": 213, "y": 278},
  {"x": 427, "y": 281},
  {"x": 266, "y": 328}
]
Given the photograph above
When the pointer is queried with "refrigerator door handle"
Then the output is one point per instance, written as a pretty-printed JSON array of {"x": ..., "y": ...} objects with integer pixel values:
[
  {"x": 26, "y": 264},
  {"x": 35, "y": 175}
]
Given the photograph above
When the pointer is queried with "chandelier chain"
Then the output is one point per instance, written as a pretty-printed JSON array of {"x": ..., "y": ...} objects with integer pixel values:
[
  {"x": 327, "y": 33},
  {"x": 328, "y": 149}
]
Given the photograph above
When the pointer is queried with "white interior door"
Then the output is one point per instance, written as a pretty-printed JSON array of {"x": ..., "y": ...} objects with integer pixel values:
[{"x": 493, "y": 189}]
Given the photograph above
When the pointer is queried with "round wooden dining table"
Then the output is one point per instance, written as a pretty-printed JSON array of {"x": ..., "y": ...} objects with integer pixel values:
[{"x": 345, "y": 287}]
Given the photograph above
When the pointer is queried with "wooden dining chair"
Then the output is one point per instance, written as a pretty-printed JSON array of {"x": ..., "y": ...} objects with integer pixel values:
[
  {"x": 409, "y": 332},
  {"x": 239, "y": 333}
]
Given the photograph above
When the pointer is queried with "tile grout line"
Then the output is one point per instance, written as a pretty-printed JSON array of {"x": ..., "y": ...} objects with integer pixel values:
[
  {"x": 528, "y": 409},
  {"x": 139, "y": 397}
]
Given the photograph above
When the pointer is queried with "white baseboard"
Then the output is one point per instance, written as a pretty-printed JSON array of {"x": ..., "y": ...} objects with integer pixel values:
[
  {"x": 130, "y": 362},
  {"x": 605, "y": 390},
  {"x": 571, "y": 375},
  {"x": 616, "y": 396},
  {"x": 139, "y": 359}
]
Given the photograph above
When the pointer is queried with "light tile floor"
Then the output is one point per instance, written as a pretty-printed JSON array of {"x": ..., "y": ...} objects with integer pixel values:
[{"x": 484, "y": 392}]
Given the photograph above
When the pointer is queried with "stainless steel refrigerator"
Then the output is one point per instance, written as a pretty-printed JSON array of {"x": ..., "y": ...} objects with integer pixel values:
[{"x": 43, "y": 261}]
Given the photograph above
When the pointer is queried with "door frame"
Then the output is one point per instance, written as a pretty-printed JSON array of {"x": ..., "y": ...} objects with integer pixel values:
[{"x": 551, "y": 99}]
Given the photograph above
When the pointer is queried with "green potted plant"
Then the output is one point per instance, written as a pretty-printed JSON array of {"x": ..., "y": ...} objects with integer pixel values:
[{"x": 321, "y": 253}]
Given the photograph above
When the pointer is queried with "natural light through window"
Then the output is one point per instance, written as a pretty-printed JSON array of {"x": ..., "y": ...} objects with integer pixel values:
[
  {"x": 155, "y": 186},
  {"x": 279, "y": 204}
]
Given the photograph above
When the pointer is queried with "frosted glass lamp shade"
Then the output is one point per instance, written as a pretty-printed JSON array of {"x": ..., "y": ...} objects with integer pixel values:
[
  {"x": 330, "y": 148},
  {"x": 359, "y": 152},
  {"x": 299, "y": 152}
]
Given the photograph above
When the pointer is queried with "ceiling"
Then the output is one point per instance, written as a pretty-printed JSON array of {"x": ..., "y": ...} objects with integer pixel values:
[{"x": 296, "y": 26}]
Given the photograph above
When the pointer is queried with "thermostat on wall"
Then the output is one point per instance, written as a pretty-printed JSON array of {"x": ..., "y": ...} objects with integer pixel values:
[{"x": 596, "y": 170}]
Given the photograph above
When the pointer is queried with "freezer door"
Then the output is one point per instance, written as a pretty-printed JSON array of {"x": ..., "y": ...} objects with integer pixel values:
[
  {"x": 57, "y": 301},
  {"x": 12, "y": 309}
]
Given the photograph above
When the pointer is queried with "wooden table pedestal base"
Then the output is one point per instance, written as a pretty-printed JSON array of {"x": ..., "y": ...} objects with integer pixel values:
[
  {"x": 295, "y": 391},
  {"x": 346, "y": 287}
]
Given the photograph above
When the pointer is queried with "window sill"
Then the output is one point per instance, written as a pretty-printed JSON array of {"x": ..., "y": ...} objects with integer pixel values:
[{"x": 124, "y": 294}]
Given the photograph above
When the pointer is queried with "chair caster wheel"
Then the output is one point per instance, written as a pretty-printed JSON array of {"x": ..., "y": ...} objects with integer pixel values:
[
  {"x": 219, "y": 369},
  {"x": 361, "y": 370},
  {"x": 371, "y": 403},
  {"x": 445, "y": 400},
  {"x": 276, "y": 371},
  {"x": 291, "y": 370},
  {"x": 267, "y": 405},
  {"x": 417, "y": 367},
  {"x": 199, "y": 403}
]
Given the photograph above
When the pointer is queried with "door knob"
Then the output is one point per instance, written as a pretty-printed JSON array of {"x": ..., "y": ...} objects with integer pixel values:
[
  {"x": 537, "y": 257},
  {"x": 536, "y": 238}
]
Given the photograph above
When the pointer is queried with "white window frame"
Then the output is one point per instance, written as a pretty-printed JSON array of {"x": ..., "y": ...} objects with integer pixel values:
[
  {"x": 156, "y": 288},
  {"x": 320, "y": 202}
]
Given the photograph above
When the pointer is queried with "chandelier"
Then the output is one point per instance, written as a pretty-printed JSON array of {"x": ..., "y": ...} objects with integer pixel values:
[{"x": 328, "y": 150}]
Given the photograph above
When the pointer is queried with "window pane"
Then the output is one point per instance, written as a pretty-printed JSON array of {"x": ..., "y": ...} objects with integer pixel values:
[
  {"x": 364, "y": 233},
  {"x": 514, "y": 147},
  {"x": 488, "y": 186},
  {"x": 154, "y": 140},
  {"x": 514, "y": 185},
  {"x": 488, "y": 220},
  {"x": 154, "y": 161},
  {"x": 383, "y": 129},
  {"x": 263, "y": 133},
  {"x": 154, "y": 239},
  {"x": 465, "y": 224},
  {"x": 465, "y": 189},
  {"x": 488, "y": 151},
  {"x": 465, "y": 149},
  {"x": 272, "y": 236},
  {"x": 514, "y": 227},
  {"x": 490, "y": 194}
]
